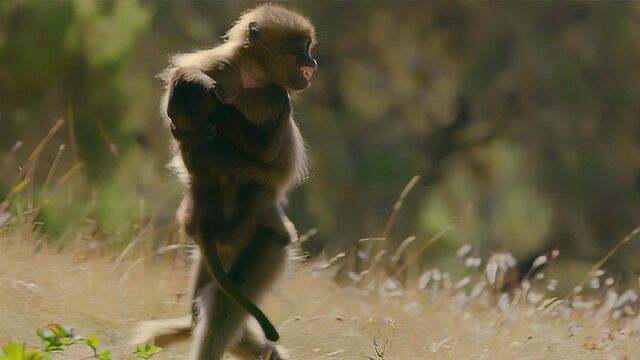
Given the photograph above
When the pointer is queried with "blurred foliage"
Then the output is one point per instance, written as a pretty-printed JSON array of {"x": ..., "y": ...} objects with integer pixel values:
[
  {"x": 523, "y": 119},
  {"x": 56, "y": 339}
]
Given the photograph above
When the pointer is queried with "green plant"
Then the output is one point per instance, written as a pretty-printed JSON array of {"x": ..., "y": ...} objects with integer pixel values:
[
  {"x": 17, "y": 351},
  {"x": 146, "y": 351},
  {"x": 56, "y": 339}
]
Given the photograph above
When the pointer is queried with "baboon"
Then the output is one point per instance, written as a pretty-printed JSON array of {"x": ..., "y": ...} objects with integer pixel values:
[{"x": 230, "y": 113}]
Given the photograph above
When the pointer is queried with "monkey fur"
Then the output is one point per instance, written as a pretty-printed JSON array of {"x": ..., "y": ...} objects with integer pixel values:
[{"x": 230, "y": 113}]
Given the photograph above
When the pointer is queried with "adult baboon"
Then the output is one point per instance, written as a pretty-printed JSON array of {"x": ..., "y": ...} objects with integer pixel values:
[{"x": 230, "y": 113}]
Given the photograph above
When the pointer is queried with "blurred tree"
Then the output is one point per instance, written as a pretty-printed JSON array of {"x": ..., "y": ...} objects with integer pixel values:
[
  {"x": 68, "y": 59},
  {"x": 521, "y": 118}
]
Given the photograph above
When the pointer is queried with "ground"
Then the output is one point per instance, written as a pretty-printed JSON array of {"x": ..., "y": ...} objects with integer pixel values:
[{"x": 107, "y": 294}]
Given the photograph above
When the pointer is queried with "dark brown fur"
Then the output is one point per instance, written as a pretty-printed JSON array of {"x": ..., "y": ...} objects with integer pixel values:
[{"x": 243, "y": 152}]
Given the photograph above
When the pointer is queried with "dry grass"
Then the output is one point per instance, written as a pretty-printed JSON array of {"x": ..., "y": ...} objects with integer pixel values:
[{"x": 317, "y": 318}]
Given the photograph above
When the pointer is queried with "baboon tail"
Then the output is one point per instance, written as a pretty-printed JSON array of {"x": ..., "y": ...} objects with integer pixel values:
[
  {"x": 212, "y": 260},
  {"x": 162, "y": 332}
]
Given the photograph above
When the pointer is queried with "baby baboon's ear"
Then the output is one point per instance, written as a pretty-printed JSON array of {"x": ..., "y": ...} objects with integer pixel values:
[{"x": 253, "y": 31}]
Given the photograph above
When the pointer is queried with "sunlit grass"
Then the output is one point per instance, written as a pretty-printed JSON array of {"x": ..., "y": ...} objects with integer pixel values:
[
  {"x": 388, "y": 306},
  {"x": 432, "y": 317}
]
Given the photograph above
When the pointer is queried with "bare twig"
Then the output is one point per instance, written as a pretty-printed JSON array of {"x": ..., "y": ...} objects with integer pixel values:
[
  {"x": 72, "y": 134},
  {"x": 400, "y": 249},
  {"x": 398, "y": 205},
  {"x": 38, "y": 149},
  {"x": 422, "y": 249},
  {"x": 52, "y": 170},
  {"x": 27, "y": 173},
  {"x": 69, "y": 173},
  {"x": 10, "y": 156},
  {"x": 599, "y": 264},
  {"x": 105, "y": 135},
  {"x": 392, "y": 217}
]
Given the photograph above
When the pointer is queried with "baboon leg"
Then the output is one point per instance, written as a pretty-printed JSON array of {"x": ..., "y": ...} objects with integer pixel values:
[
  {"x": 199, "y": 280},
  {"x": 215, "y": 324},
  {"x": 261, "y": 209},
  {"x": 164, "y": 332},
  {"x": 253, "y": 345},
  {"x": 220, "y": 322},
  {"x": 272, "y": 218}
]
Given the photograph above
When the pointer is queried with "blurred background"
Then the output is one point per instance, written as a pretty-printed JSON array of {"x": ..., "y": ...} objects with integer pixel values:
[{"x": 523, "y": 121}]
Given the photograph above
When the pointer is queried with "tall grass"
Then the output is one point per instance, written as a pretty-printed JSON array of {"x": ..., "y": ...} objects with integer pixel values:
[{"x": 388, "y": 306}]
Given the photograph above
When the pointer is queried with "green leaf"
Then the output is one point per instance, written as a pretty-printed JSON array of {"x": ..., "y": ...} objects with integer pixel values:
[
  {"x": 93, "y": 341},
  {"x": 47, "y": 337},
  {"x": 146, "y": 351},
  {"x": 41, "y": 334},
  {"x": 60, "y": 330},
  {"x": 66, "y": 341},
  {"x": 56, "y": 329},
  {"x": 16, "y": 351},
  {"x": 54, "y": 348},
  {"x": 56, "y": 337},
  {"x": 37, "y": 355},
  {"x": 105, "y": 355},
  {"x": 13, "y": 351}
]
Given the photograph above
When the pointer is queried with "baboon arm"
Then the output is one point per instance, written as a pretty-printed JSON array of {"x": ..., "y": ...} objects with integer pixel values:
[
  {"x": 255, "y": 171},
  {"x": 264, "y": 151},
  {"x": 270, "y": 108},
  {"x": 218, "y": 158},
  {"x": 191, "y": 102}
]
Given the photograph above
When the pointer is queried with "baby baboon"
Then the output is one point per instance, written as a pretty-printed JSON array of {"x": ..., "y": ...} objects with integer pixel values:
[{"x": 230, "y": 112}]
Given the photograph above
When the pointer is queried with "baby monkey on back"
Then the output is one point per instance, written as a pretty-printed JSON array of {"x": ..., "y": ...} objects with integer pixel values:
[{"x": 230, "y": 113}]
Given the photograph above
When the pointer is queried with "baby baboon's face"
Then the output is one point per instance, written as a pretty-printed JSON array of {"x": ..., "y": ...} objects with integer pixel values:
[{"x": 287, "y": 56}]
